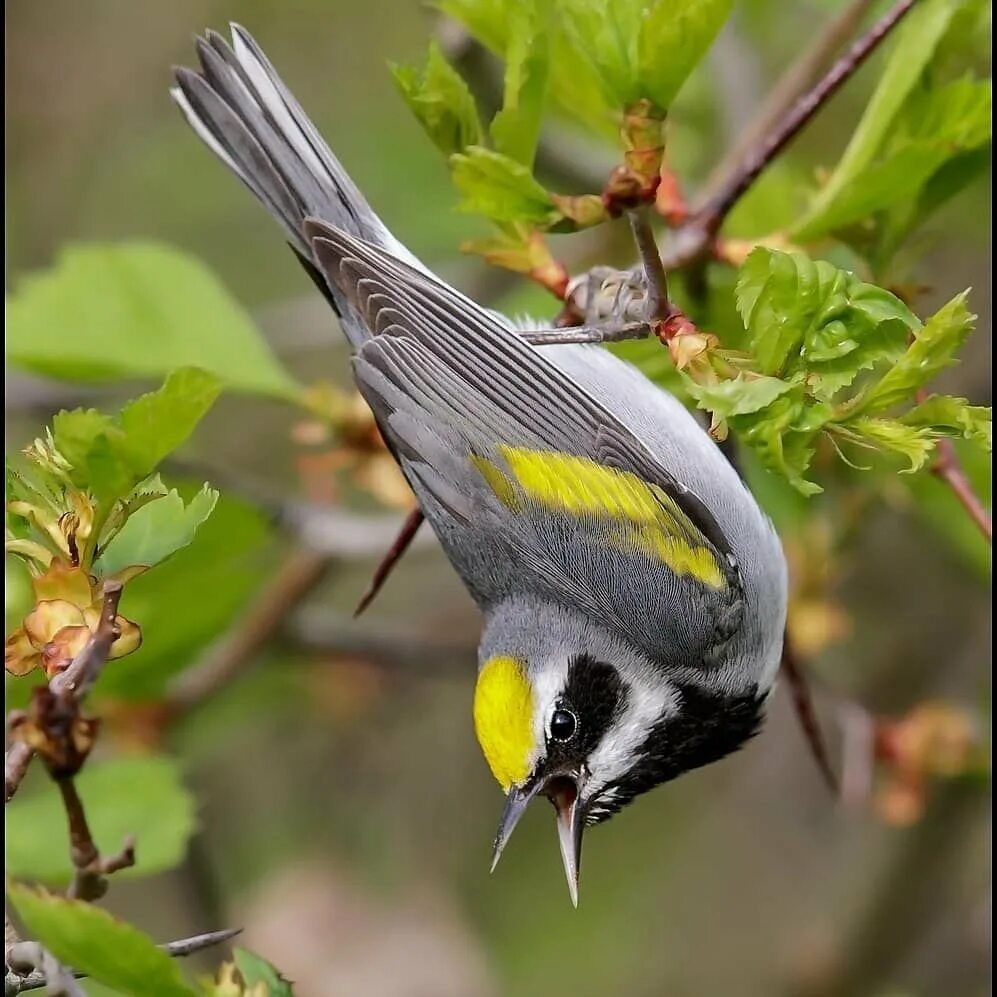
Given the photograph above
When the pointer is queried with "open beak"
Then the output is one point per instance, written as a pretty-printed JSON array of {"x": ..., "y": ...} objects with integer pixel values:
[{"x": 563, "y": 792}]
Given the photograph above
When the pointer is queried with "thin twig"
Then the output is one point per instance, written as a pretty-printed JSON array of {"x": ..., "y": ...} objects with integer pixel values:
[
  {"x": 73, "y": 683},
  {"x": 86, "y": 666},
  {"x": 798, "y": 78},
  {"x": 391, "y": 557},
  {"x": 799, "y": 689},
  {"x": 949, "y": 470},
  {"x": 179, "y": 949},
  {"x": 91, "y": 870},
  {"x": 658, "y": 304},
  {"x": 586, "y": 334},
  {"x": 709, "y": 219},
  {"x": 300, "y": 573}
]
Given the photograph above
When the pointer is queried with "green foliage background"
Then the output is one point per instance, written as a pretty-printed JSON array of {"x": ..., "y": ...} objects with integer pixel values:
[{"x": 342, "y": 811}]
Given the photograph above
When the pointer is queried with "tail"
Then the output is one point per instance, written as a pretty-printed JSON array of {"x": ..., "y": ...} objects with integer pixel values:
[{"x": 243, "y": 112}]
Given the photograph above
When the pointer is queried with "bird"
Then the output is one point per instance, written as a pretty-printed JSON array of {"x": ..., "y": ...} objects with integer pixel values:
[{"x": 633, "y": 592}]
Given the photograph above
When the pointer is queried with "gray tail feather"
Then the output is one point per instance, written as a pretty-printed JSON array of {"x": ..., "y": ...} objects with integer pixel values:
[{"x": 243, "y": 112}]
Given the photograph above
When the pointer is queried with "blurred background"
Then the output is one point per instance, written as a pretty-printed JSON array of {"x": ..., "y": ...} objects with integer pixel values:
[{"x": 344, "y": 814}]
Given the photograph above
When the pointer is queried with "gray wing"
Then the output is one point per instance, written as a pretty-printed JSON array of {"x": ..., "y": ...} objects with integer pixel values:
[{"x": 509, "y": 457}]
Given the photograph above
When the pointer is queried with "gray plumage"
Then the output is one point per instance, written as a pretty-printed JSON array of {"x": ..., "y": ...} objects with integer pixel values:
[{"x": 452, "y": 384}]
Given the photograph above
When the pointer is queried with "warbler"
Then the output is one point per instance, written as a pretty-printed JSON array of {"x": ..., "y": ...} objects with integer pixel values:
[{"x": 633, "y": 593}]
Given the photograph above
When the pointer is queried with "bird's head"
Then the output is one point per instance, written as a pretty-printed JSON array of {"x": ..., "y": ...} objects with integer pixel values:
[{"x": 566, "y": 710}]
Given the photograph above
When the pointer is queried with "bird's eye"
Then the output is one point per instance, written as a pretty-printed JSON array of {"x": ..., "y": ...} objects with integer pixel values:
[{"x": 562, "y": 725}]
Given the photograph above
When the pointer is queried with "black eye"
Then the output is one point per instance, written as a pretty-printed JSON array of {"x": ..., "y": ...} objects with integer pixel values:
[{"x": 562, "y": 725}]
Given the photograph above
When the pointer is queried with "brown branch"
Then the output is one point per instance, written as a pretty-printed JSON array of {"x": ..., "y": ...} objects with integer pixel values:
[
  {"x": 658, "y": 304},
  {"x": 711, "y": 216},
  {"x": 91, "y": 870},
  {"x": 71, "y": 685},
  {"x": 798, "y": 78},
  {"x": 392, "y": 556},
  {"x": 949, "y": 470},
  {"x": 803, "y": 705},
  {"x": 179, "y": 949},
  {"x": 300, "y": 573}
]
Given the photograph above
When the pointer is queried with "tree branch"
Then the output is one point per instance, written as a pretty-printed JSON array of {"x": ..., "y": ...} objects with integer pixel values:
[
  {"x": 71, "y": 685},
  {"x": 949, "y": 470},
  {"x": 14, "y": 984},
  {"x": 711, "y": 216}
]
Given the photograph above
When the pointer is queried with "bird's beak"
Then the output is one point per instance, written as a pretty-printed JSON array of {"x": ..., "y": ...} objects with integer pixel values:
[{"x": 563, "y": 792}]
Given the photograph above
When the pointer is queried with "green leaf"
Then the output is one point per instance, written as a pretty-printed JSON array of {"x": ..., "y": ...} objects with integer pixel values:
[
  {"x": 515, "y": 130},
  {"x": 255, "y": 969},
  {"x": 441, "y": 101},
  {"x": 638, "y": 49},
  {"x": 129, "y": 795},
  {"x": 937, "y": 127},
  {"x": 889, "y": 434},
  {"x": 111, "y": 456},
  {"x": 913, "y": 48},
  {"x": 947, "y": 416},
  {"x": 156, "y": 530},
  {"x": 810, "y": 318},
  {"x": 741, "y": 396},
  {"x": 136, "y": 310},
  {"x": 157, "y": 423},
  {"x": 487, "y": 20},
  {"x": 91, "y": 941},
  {"x": 931, "y": 351},
  {"x": 674, "y": 38},
  {"x": 501, "y": 189}
]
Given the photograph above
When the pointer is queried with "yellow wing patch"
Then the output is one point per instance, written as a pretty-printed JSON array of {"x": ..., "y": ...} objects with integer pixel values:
[
  {"x": 649, "y": 519},
  {"x": 503, "y": 719}
]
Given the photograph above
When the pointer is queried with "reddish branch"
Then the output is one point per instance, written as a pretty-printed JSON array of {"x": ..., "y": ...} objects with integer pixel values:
[
  {"x": 948, "y": 468},
  {"x": 803, "y": 705},
  {"x": 711, "y": 216},
  {"x": 394, "y": 553}
]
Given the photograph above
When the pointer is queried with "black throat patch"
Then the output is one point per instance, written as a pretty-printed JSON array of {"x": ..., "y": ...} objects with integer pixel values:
[{"x": 708, "y": 727}]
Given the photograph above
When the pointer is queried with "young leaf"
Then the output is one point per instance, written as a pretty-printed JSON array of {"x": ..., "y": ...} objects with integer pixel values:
[
  {"x": 254, "y": 969},
  {"x": 915, "y": 45},
  {"x": 515, "y": 130},
  {"x": 889, "y": 434},
  {"x": 140, "y": 795},
  {"x": 136, "y": 310},
  {"x": 441, "y": 101},
  {"x": 674, "y": 38},
  {"x": 501, "y": 189},
  {"x": 807, "y": 317},
  {"x": 948, "y": 416},
  {"x": 740, "y": 396},
  {"x": 155, "y": 531},
  {"x": 157, "y": 423},
  {"x": 91, "y": 941},
  {"x": 931, "y": 351}
]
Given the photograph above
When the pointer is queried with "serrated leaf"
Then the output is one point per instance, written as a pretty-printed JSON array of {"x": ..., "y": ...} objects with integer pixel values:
[
  {"x": 441, "y": 101},
  {"x": 932, "y": 350},
  {"x": 501, "y": 189},
  {"x": 110, "y": 456},
  {"x": 157, "y": 423},
  {"x": 515, "y": 129},
  {"x": 947, "y": 416},
  {"x": 740, "y": 396},
  {"x": 129, "y": 795},
  {"x": 91, "y": 941},
  {"x": 809, "y": 318},
  {"x": 255, "y": 969},
  {"x": 889, "y": 434},
  {"x": 136, "y": 309},
  {"x": 674, "y": 38},
  {"x": 913, "y": 48},
  {"x": 155, "y": 531}
]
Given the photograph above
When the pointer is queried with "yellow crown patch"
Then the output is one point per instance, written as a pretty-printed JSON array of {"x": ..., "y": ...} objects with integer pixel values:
[{"x": 503, "y": 719}]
